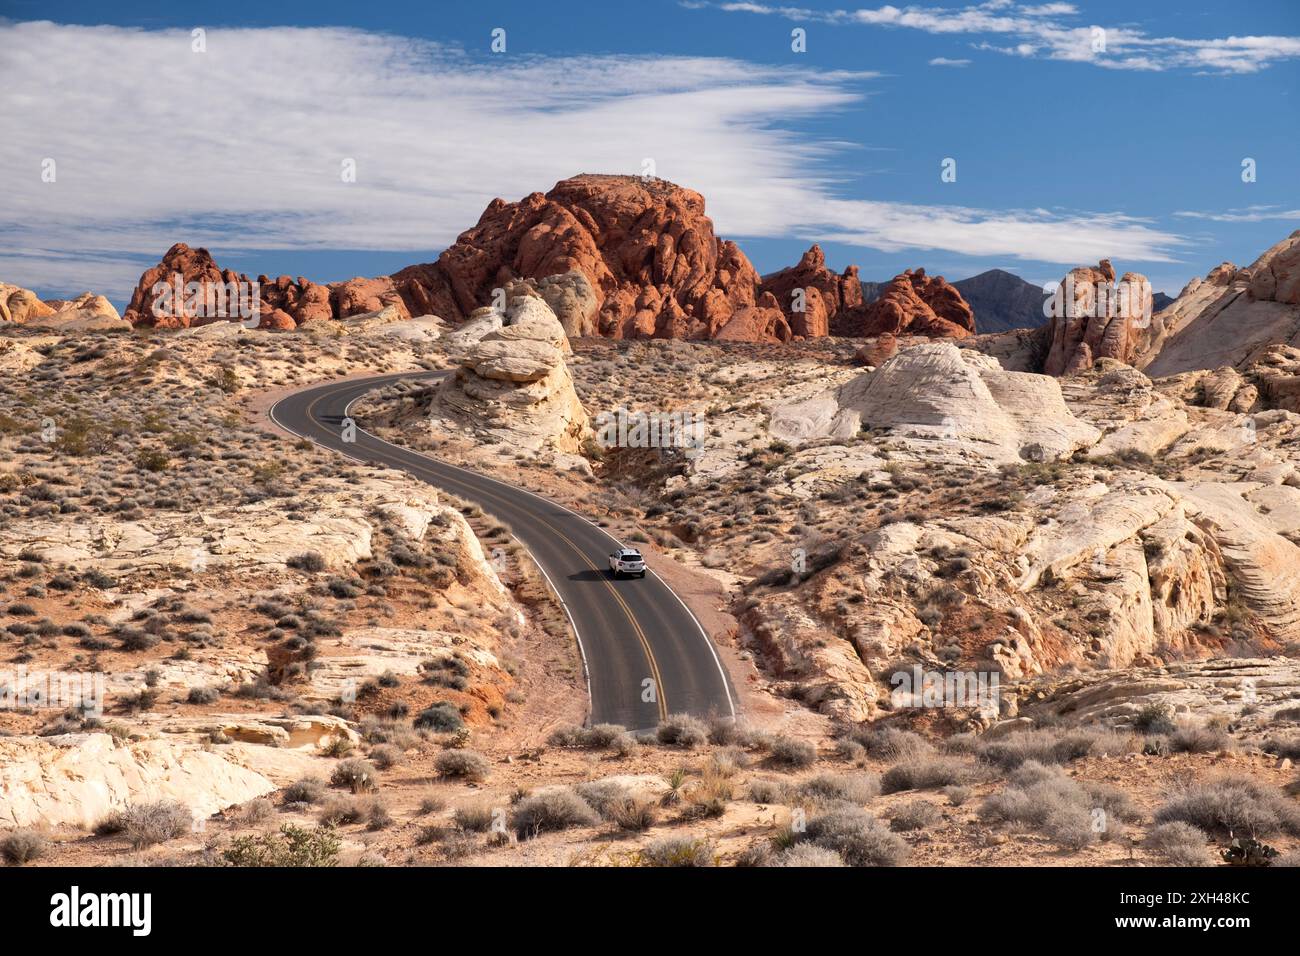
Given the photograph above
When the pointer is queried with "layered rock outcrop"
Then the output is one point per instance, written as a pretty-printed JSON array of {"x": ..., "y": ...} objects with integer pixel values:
[
  {"x": 87, "y": 312},
  {"x": 1230, "y": 317},
  {"x": 512, "y": 384},
  {"x": 915, "y": 304},
  {"x": 949, "y": 402},
  {"x": 1093, "y": 318}
]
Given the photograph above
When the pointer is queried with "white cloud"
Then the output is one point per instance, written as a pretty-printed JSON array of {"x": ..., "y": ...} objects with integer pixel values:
[
  {"x": 944, "y": 61},
  {"x": 1244, "y": 214},
  {"x": 1041, "y": 30},
  {"x": 241, "y": 148}
]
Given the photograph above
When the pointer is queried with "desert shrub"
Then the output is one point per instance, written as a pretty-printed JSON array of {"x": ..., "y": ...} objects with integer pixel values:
[
  {"x": 553, "y": 810},
  {"x": 23, "y": 846},
  {"x": 850, "y": 750},
  {"x": 1179, "y": 844},
  {"x": 856, "y": 836},
  {"x": 681, "y": 730},
  {"x": 1288, "y": 747},
  {"x": 792, "y": 752},
  {"x": 1200, "y": 740},
  {"x": 853, "y": 787},
  {"x": 925, "y": 773},
  {"x": 1049, "y": 746},
  {"x": 147, "y": 824},
  {"x": 339, "y": 810},
  {"x": 256, "y": 811},
  {"x": 202, "y": 695},
  {"x": 728, "y": 761},
  {"x": 709, "y": 798},
  {"x": 678, "y": 851},
  {"x": 293, "y": 846},
  {"x": 385, "y": 756},
  {"x": 602, "y": 795},
  {"x": 724, "y": 731},
  {"x": 756, "y": 854},
  {"x": 599, "y": 737},
  {"x": 305, "y": 790},
  {"x": 762, "y": 790},
  {"x": 1071, "y": 826},
  {"x": 1043, "y": 797},
  {"x": 135, "y": 639},
  {"x": 1232, "y": 806},
  {"x": 355, "y": 773},
  {"x": 914, "y": 815},
  {"x": 1155, "y": 718},
  {"x": 310, "y": 561},
  {"x": 442, "y": 717},
  {"x": 431, "y": 803},
  {"x": 632, "y": 814},
  {"x": 957, "y": 795},
  {"x": 462, "y": 764},
  {"x": 891, "y": 744},
  {"x": 474, "y": 817},
  {"x": 807, "y": 854},
  {"x": 377, "y": 815}
]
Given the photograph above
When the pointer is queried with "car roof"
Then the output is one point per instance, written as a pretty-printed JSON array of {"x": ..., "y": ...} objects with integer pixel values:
[{"x": 630, "y": 551}]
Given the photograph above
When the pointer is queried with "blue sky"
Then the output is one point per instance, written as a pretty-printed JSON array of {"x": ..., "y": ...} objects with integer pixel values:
[{"x": 1063, "y": 153}]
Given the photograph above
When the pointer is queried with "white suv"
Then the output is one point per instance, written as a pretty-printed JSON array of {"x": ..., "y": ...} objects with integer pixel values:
[{"x": 627, "y": 561}]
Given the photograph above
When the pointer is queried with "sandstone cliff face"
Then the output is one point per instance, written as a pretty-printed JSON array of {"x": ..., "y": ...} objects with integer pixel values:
[
  {"x": 1094, "y": 318},
  {"x": 87, "y": 312},
  {"x": 913, "y": 303},
  {"x": 512, "y": 384},
  {"x": 1231, "y": 317},
  {"x": 946, "y": 401}
]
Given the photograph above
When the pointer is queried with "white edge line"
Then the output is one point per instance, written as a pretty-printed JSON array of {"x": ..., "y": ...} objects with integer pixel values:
[
  {"x": 582, "y": 651},
  {"x": 726, "y": 682}
]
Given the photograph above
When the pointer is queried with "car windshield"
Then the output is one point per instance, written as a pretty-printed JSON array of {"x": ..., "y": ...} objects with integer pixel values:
[{"x": 632, "y": 555}]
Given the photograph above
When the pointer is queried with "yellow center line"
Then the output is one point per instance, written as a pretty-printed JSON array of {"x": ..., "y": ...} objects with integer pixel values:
[{"x": 660, "y": 696}]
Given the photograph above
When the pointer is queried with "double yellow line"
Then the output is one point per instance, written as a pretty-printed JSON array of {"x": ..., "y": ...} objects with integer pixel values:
[
  {"x": 645, "y": 643},
  {"x": 660, "y": 696}
]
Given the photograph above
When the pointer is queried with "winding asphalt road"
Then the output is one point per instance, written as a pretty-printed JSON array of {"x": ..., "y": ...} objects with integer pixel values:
[{"x": 644, "y": 652}]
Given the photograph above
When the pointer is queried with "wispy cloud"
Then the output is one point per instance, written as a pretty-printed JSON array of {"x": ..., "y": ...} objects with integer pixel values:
[
  {"x": 1245, "y": 214},
  {"x": 1053, "y": 31},
  {"x": 241, "y": 148},
  {"x": 945, "y": 61}
]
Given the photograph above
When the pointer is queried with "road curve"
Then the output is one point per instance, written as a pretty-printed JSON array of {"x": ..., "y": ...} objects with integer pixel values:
[{"x": 631, "y": 631}]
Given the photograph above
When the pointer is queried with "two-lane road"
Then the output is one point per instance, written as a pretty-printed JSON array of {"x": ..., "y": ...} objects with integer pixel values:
[{"x": 645, "y": 653}]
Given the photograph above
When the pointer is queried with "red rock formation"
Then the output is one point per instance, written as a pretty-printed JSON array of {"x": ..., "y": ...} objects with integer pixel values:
[
  {"x": 912, "y": 303},
  {"x": 1095, "y": 318},
  {"x": 281, "y": 304},
  {"x": 762, "y": 322},
  {"x": 646, "y": 250},
  {"x": 646, "y": 247},
  {"x": 811, "y": 295}
]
